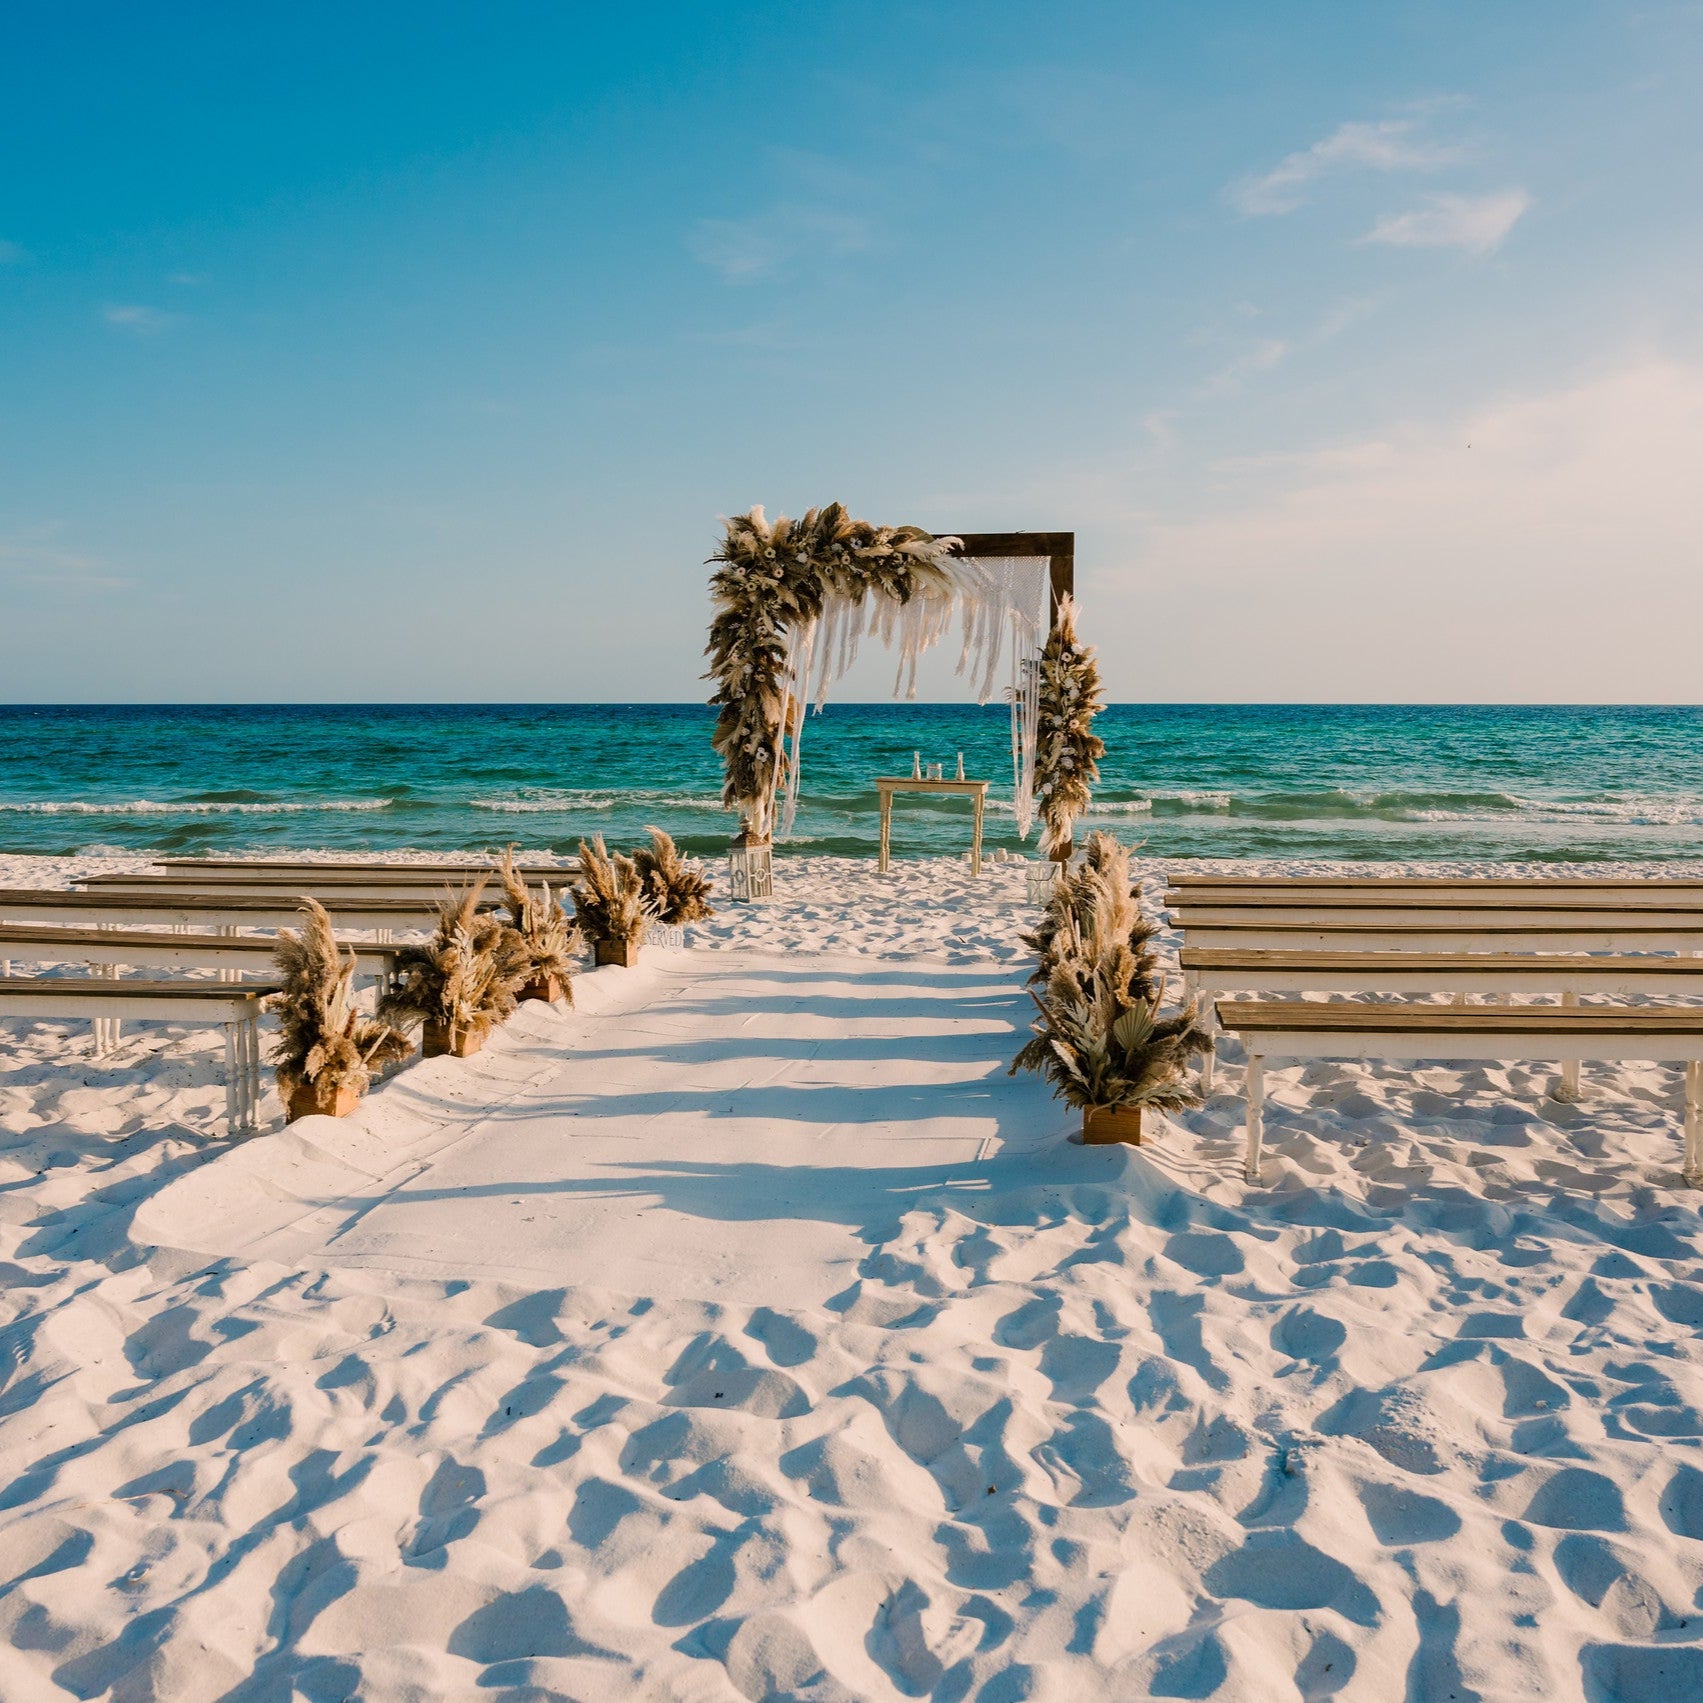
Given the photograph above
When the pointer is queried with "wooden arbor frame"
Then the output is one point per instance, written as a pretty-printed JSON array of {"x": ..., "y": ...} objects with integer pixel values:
[{"x": 1058, "y": 547}]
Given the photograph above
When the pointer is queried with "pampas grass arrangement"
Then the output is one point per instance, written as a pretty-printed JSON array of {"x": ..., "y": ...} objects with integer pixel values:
[
  {"x": 1100, "y": 1036},
  {"x": 1100, "y": 898},
  {"x": 327, "y": 1049},
  {"x": 1067, "y": 750},
  {"x": 463, "y": 982},
  {"x": 547, "y": 936},
  {"x": 610, "y": 903},
  {"x": 676, "y": 891}
]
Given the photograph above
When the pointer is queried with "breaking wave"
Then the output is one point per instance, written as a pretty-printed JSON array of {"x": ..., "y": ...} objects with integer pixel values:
[{"x": 189, "y": 807}]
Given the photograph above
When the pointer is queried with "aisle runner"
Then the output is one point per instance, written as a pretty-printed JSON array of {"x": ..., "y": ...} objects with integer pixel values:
[{"x": 745, "y": 1133}]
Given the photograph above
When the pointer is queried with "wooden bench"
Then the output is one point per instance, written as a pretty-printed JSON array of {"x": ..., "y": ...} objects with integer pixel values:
[
  {"x": 1218, "y": 971},
  {"x": 1197, "y": 888},
  {"x": 149, "y": 950},
  {"x": 1335, "y": 1029},
  {"x": 1276, "y": 931},
  {"x": 325, "y": 889},
  {"x": 341, "y": 884},
  {"x": 291, "y": 869},
  {"x": 214, "y": 910},
  {"x": 106, "y": 950},
  {"x": 1469, "y": 909},
  {"x": 235, "y": 1009}
]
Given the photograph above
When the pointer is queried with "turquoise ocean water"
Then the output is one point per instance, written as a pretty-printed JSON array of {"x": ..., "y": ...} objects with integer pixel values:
[{"x": 1191, "y": 780}]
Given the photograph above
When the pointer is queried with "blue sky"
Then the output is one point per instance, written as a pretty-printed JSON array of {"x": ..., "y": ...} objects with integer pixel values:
[{"x": 411, "y": 351}]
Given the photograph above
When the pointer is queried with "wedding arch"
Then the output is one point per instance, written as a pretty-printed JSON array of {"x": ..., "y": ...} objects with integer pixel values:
[{"x": 794, "y": 599}]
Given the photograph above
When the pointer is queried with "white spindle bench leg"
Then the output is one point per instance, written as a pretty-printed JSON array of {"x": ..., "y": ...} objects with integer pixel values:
[
  {"x": 106, "y": 1028},
  {"x": 1568, "y": 1087},
  {"x": 229, "y": 974},
  {"x": 1694, "y": 1123},
  {"x": 1209, "y": 1022},
  {"x": 233, "y": 1078},
  {"x": 249, "y": 1045},
  {"x": 1255, "y": 1091}
]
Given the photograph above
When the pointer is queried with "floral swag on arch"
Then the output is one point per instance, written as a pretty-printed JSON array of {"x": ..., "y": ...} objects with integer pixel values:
[{"x": 794, "y": 598}]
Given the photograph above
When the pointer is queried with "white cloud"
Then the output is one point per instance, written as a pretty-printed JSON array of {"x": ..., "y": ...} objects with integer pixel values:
[
  {"x": 1392, "y": 144},
  {"x": 30, "y": 559},
  {"x": 1477, "y": 223},
  {"x": 135, "y": 317},
  {"x": 1261, "y": 358},
  {"x": 744, "y": 250},
  {"x": 1542, "y": 548}
]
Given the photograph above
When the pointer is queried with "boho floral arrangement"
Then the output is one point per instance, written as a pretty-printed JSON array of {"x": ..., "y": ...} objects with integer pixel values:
[
  {"x": 1100, "y": 898},
  {"x": 677, "y": 891},
  {"x": 1100, "y": 1037},
  {"x": 464, "y": 981},
  {"x": 547, "y": 936},
  {"x": 610, "y": 903},
  {"x": 1067, "y": 750},
  {"x": 773, "y": 579},
  {"x": 327, "y": 1048}
]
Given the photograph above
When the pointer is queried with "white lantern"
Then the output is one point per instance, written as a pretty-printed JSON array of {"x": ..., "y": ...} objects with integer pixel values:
[{"x": 750, "y": 870}]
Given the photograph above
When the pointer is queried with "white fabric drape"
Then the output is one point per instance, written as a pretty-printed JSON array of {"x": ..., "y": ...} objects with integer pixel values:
[
  {"x": 1024, "y": 598},
  {"x": 994, "y": 596}
]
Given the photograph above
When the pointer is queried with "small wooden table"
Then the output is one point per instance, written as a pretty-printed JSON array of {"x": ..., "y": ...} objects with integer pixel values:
[{"x": 887, "y": 785}]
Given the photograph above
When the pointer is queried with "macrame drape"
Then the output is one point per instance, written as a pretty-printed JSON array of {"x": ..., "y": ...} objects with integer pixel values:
[
  {"x": 1002, "y": 604},
  {"x": 1023, "y": 594}
]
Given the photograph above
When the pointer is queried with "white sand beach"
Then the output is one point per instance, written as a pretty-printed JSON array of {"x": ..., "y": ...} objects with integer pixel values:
[{"x": 746, "y": 1332}]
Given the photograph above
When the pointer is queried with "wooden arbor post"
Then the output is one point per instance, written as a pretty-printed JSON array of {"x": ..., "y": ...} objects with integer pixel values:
[{"x": 1058, "y": 547}]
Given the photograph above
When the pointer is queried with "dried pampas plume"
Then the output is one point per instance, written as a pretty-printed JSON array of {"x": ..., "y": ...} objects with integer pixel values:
[
  {"x": 676, "y": 891},
  {"x": 549, "y": 939},
  {"x": 609, "y": 898},
  {"x": 1100, "y": 898},
  {"x": 466, "y": 978},
  {"x": 325, "y": 1042}
]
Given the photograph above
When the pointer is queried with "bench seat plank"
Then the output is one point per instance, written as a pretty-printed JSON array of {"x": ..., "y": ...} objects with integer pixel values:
[
  {"x": 235, "y": 910},
  {"x": 89, "y": 996},
  {"x": 1448, "y": 1022},
  {"x": 1224, "y": 970},
  {"x": 1461, "y": 910},
  {"x": 1314, "y": 885},
  {"x": 1623, "y": 935},
  {"x": 158, "y": 950}
]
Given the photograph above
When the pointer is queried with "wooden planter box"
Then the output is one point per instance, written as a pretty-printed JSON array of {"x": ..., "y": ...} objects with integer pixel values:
[
  {"x": 1103, "y": 1125},
  {"x": 439, "y": 1041},
  {"x": 622, "y": 952},
  {"x": 546, "y": 988},
  {"x": 312, "y": 1100}
]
